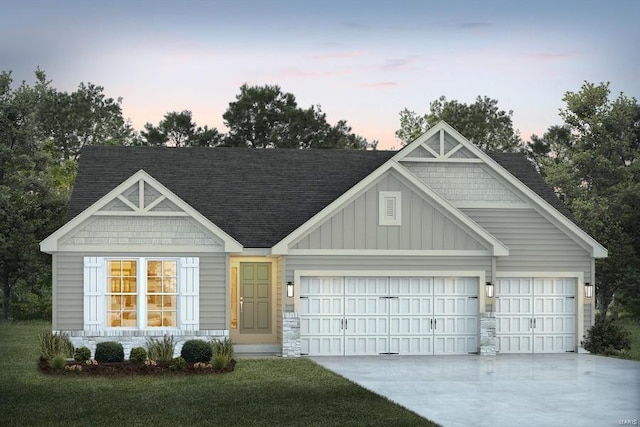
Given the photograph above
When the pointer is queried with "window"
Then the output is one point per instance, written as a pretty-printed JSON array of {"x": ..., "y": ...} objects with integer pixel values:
[
  {"x": 141, "y": 293},
  {"x": 389, "y": 208}
]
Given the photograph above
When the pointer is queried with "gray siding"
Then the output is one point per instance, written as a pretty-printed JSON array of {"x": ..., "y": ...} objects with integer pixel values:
[
  {"x": 69, "y": 289},
  {"x": 463, "y": 182},
  {"x": 279, "y": 296},
  {"x": 534, "y": 243},
  {"x": 588, "y": 318},
  {"x": 127, "y": 231},
  {"x": 356, "y": 226},
  {"x": 386, "y": 264}
]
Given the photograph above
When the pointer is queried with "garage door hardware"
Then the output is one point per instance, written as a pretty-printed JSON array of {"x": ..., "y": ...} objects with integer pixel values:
[
  {"x": 434, "y": 323},
  {"x": 344, "y": 323},
  {"x": 389, "y": 297},
  {"x": 532, "y": 321}
]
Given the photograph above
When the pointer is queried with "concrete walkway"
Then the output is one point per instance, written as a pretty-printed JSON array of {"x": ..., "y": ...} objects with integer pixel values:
[{"x": 506, "y": 390}]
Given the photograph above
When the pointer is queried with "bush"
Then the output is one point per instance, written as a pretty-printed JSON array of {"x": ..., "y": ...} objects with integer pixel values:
[
  {"x": 58, "y": 361},
  {"x": 109, "y": 351},
  {"x": 606, "y": 336},
  {"x": 220, "y": 361},
  {"x": 178, "y": 364},
  {"x": 138, "y": 355},
  {"x": 196, "y": 351},
  {"x": 54, "y": 344},
  {"x": 161, "y": 350},
  {"x": 82, "y": 354},
  {"x": 223, "y": 347}
]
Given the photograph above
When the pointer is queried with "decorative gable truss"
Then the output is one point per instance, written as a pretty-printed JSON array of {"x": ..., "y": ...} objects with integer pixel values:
[
  {"x": 140, "y": 214},
  {"x": 445, "y": 161}
]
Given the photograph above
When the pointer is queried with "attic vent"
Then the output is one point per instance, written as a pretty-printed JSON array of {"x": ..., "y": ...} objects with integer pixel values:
[{"x": 390, "y": 203}]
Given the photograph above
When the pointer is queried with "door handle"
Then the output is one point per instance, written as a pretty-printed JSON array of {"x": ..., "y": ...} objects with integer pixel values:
[
  {"x": 241, "y": 304},
  {"x": 534, "y": 323},
  {"x": 435, "y": 323}
]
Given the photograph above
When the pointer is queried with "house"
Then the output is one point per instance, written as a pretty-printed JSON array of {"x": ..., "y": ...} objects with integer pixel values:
[{"x": 438, "y": 248}]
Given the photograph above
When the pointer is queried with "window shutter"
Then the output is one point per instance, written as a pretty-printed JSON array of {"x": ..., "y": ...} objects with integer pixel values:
[
  {"x": 94, "y": 288},
  {"x": 189, "y": 294}
]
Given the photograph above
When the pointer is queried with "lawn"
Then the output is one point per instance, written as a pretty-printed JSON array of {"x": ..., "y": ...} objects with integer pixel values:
[
  {"x": 633, "y": 326},
  {"x": 283, "y": 392}
]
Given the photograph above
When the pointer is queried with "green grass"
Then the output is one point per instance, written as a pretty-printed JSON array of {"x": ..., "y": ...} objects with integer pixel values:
[
  {"x": 283, "y": 392},
  {"x": 633, "y": 326}
]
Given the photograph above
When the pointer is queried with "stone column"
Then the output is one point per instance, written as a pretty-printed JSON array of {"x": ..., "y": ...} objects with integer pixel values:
[
  {"x": 487, "y": 334},
  {"x": 290, "y": 335}
]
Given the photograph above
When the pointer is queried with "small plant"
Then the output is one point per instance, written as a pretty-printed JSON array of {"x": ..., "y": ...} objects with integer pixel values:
[
  {"x": 150, "y": 363},
  {"x": 109, "y": 352},
  {"x": 220, "y": 362},
  {"x": 606, "y": 336},
  {"x": 178, "y": 364},
  {"x": 82, "y": 354},
  {"x": 161, "y": 349},
  {"x": 138, "y": 355},
  {"x": 73, "y": 368},
  {"x": 58, "y": 361},
  {"x": 54, "y": 344},
  {"x": 196, "y": 351},
  {"x": 91, "y": 362},
  {"x": 224, "y": 347}
]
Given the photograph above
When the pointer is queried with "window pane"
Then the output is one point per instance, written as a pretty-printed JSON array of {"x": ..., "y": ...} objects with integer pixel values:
[
  {"x": 154, "y": 318},
  {"x": 115, "y": 285},
  {"x": 154, "y": 302},
  {"x": 154, "y": 268},
  {"x": 169, "y": 302},
  {"x": 129, "y": 268},
  {"x": 170, "y": 268},
  {"x": 130, "y": 302},
  {"x": 154, "y": 285},
  {"x": 114, "y": 268},
  {"x": 114, "y": 318},
  {"x": 129, "y": 285},
  {"x": 169, "y": 319},
  {"x": 170, "y": 286},
  {"x": 115, "y": 302},
  {"x": 129, "y": 318}
]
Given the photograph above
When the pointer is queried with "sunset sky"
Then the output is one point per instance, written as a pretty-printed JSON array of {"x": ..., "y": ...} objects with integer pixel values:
[{"x": 362, "y": 61}]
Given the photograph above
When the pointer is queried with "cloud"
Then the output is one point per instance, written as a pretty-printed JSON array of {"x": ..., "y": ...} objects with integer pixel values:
[
  {"x": 475, "y": 25},
  {"x": 379, "y": 84},
  {"x": 337, "y": 55},
  {"x": 401, "y": 64}
]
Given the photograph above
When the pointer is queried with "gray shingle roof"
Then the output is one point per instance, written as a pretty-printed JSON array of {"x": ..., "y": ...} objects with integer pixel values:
[{"x": 256, "y": 196}]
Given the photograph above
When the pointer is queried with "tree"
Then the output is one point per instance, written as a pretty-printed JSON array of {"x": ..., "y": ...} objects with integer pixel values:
[
  {"x": 482, "y": 123},
  {"x": 593, "y": 161},
  {"x": 265, "y": 117},
  {"x": 31, "y": 206},
  {"x": 177, "y": 129}
]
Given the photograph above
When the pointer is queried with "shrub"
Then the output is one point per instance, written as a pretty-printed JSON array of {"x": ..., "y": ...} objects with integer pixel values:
[
  {"x": 220, "y": 361},
  {"x": 58, "y": 361},
  {"x": 224, "y": 347},
  {"x": 138, "y": 355},
  {"x": 606, "y": 336},
  {"x": 82, "y": 354},
  {"x": 196, "y": 351},
  {"x": 109, "y": 351},
  {"x": 54, "y": 344},
  {"x": 161, "y": 349},
  {"x": 178, "y": 364}
]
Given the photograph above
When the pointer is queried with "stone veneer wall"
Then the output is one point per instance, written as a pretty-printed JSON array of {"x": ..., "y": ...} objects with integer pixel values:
[
  {"x": 132, "y": 338},
  {"x": 290, "y": 335},
  {"x": 487, "y": 334}
]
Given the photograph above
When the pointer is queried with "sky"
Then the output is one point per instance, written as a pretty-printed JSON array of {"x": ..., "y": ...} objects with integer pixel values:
[{"x": 361, "y": 61}]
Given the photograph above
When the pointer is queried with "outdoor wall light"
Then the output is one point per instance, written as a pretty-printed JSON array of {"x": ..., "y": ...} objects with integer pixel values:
[
  {"x": 290, "y": 289},
  {"x": 488, "y": 289},
  {"x": 588, "y": 290}
]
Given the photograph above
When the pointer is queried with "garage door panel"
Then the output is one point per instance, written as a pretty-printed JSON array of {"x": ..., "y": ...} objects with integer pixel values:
[
  {"x": 411, "y": 345},
  {"x": 366, "y": 286},
  {"x": 544, "y": 320},
  {"x": 411, "y": 286},
  {"x": 370, "y": 305},
  {"x": 322, "y": 346},
  {"x": 365, "y": 345}
]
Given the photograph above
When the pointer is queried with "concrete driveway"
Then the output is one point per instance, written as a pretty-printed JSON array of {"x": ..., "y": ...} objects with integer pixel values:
[{"x": 506, "y": 390}]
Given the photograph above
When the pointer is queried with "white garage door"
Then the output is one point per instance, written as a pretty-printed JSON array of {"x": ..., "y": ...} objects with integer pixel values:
[
  {"x": 388, "y": 315},
  {"x": 536, "y": 315}
]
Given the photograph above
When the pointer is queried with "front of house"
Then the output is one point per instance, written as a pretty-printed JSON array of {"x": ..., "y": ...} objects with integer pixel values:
[{"x": 435, "y": 249}]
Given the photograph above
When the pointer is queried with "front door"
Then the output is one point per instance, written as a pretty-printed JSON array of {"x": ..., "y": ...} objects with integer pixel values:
[{"x": 255, "y": 298}]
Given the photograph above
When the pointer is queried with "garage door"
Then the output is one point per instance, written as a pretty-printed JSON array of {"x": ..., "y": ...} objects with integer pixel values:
[
  {"x": 388, "y": 315},
  {"x": 536, "y": 315}
]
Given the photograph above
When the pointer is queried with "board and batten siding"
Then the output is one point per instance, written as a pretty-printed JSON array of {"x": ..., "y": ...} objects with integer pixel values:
[
  {"x": 69, "y": 288},
  {"x": 356, "y": 226},
  {"x": 534, "y": 243},
  {"x": 386, "y": 265}
]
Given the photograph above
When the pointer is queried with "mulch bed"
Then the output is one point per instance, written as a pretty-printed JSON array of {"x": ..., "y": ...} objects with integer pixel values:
[{"x": 128, "y": 368}]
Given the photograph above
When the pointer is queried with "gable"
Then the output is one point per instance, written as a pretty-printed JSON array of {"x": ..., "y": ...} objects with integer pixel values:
[
  {"x": 423, "y": 226},
  {"x": 140, "y": 214}
]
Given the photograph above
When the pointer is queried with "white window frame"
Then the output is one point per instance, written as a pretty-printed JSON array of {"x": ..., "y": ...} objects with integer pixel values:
[
  {"x": 385, "y": 216},
  {"x": 96, "y": 297}
]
